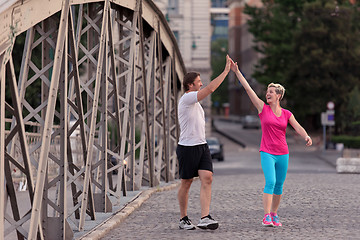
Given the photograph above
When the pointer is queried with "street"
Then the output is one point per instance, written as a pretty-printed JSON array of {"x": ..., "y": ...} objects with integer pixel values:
[{"x": 317, "y": 202}]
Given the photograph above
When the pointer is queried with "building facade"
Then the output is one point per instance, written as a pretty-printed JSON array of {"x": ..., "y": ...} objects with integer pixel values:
[
  {"x": 219, "y": 19},
  {"x": 190, "y": 23},
  {"x": 241, "y": 50}
]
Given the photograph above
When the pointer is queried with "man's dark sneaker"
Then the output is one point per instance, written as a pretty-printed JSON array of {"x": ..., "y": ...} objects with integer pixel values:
[
  {"x": 208, "y": 223},
  {"x": 185, "y": 223}
]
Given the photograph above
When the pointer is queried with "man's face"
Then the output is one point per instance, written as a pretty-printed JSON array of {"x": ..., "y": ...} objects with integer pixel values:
[{"x": 196, "y": 85}]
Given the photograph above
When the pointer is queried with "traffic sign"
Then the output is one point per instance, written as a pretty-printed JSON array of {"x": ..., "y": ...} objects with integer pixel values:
[
  {"x": 330, "y": 105},
  {"x": 328, "y": 118}
]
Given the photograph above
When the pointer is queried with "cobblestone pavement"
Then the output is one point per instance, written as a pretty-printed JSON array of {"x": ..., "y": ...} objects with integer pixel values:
[{"x": 317, "y": 203}]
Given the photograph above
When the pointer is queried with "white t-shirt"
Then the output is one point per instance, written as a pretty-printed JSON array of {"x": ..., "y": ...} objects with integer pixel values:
[{"x": 191, "y": 120}]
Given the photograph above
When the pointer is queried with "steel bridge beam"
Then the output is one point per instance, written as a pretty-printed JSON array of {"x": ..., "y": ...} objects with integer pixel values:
[{"x": 91, "y": 112}]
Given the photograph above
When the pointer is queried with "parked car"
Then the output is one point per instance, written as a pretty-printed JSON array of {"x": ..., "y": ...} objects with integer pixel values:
[
  {"x": 216, "y": 148},
  {"x": 251, "y": 121}
]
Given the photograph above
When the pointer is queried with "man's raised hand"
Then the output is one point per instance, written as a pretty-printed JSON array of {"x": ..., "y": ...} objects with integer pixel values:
[{"x": 228, "y": 63}]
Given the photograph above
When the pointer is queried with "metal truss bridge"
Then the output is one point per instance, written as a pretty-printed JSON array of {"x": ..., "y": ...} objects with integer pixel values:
[{"x": 88, "y": 110}]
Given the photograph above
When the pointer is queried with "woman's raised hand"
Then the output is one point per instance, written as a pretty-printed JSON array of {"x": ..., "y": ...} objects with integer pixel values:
[{"x": 234, "y": 67}]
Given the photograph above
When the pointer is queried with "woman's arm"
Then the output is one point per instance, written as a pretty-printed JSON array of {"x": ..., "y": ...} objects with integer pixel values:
[
  {"x": 300, "y": 130},
  {"x": 258, "y": 103}
]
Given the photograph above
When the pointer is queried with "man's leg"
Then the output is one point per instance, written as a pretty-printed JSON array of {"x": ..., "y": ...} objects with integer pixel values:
[
  {"x": 206, "y": 221},
  {"x": 183, "y": 196},
  {"x": 205, "y": 191}
]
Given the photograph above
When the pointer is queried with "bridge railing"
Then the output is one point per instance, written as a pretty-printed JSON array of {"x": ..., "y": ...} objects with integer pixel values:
[{"x": 90, "y": 88}]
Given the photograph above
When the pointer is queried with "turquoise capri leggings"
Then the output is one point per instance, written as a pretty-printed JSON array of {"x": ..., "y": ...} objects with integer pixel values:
[{"x": 275, "y": 169}]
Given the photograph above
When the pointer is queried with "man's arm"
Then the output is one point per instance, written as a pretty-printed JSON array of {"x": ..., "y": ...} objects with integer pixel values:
[{"x": 214, "y": 84}]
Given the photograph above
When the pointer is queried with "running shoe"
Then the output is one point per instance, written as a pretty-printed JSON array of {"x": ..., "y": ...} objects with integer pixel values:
[
  {"x": 185, "y": 223},
  {"x": 208, "y": 223},
  {"x": 267, "y": 222},
  {"x": 275, "y": 220}
]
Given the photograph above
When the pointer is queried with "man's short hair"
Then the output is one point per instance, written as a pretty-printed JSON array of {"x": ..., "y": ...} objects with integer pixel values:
[{"x": 189, "y": 78}]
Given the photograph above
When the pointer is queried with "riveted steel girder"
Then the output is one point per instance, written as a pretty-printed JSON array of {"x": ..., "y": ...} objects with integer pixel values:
[{"x": 87, "y": 113}]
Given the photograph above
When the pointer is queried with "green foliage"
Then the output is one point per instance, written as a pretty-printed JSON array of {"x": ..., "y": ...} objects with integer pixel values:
[
  {"x": 328, "y": 66},
  {"x": 127, "y": 145},
  {"x": 16, "y": 55},
  {"x": 137, "y": 140},
  {"x": 219, "y": 49},
  {"x": 33, "y": 92},
  {"x": 348, "y": 141},
  {"x": 273, "y": 27},
  {"x": 352, "y": 113},
  {"x": 312, "y": 47},
  {"x": 353, "y": 103}
]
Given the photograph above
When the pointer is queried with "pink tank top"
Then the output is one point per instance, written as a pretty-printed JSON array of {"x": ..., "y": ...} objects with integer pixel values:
[{"x": 273, "y": 139}]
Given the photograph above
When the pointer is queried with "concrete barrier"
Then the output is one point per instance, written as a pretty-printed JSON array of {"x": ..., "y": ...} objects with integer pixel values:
[{"x": 348, "y": 165}]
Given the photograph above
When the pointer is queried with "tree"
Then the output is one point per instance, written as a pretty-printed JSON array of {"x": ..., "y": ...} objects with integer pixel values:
[
  {"x": 273, "y": 27},
  {"x": 327, "y": 66},
  {"x": 32, "y": 94},
  {"x": 219, "y": 49},
  {"x": 353, "y": 112},
  {"x": 312, "y": 47}
]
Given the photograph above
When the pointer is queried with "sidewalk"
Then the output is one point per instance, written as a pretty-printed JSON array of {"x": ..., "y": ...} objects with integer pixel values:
[
  {"x": 321, "y": 207},
  {"x": 329, "y": 156},
  {"x": 227, "y": 194},
  {"x": 105, "y": 222},
  {"x": 318, "y": 203}
]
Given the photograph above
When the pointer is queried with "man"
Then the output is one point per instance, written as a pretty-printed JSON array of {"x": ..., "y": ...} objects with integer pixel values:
[{"x": 192, "y": 151}]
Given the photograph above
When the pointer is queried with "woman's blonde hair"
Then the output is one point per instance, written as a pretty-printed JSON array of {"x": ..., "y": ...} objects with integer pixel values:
[{"x": 278, "y": 89}]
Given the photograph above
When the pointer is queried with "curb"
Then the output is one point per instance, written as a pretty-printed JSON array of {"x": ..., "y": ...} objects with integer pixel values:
[
  {"x": 348, "y": 165},
  {"x": 229, "y": 137},
  {"x": 105, "y": 227},
  {"x": 329, "y": 158}
]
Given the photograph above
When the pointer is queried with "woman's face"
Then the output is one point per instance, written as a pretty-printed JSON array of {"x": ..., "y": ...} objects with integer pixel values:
[{"x": 271, "y": 95}]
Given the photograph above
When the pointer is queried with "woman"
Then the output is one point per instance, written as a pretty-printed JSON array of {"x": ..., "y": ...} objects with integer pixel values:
[{"x": 274, "y": 151}]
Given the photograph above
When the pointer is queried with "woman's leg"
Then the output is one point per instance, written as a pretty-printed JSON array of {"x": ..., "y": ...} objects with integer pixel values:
[
  {"x": 281, "y": 167},
  {"x": 267, "y": 202},
  {"x": 268, "y": 167},
  {"x": 275, "y": 203}
]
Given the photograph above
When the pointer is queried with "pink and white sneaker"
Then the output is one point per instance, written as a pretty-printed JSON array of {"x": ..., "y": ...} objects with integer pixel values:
[
  {"x": 275, "y": 220},
  {"x": 267, "y": 222}
]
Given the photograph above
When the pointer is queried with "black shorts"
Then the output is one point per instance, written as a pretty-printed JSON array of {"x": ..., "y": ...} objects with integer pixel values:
[{"x": 193, "y": 158}]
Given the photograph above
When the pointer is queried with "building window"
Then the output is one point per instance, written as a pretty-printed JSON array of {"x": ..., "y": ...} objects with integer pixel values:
[
  {"x": 176, "y": 34},
  {"x": 220, "y": 27},
  {"x": 173, "y": 6},
  {"x": 219, "y": 3}
]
